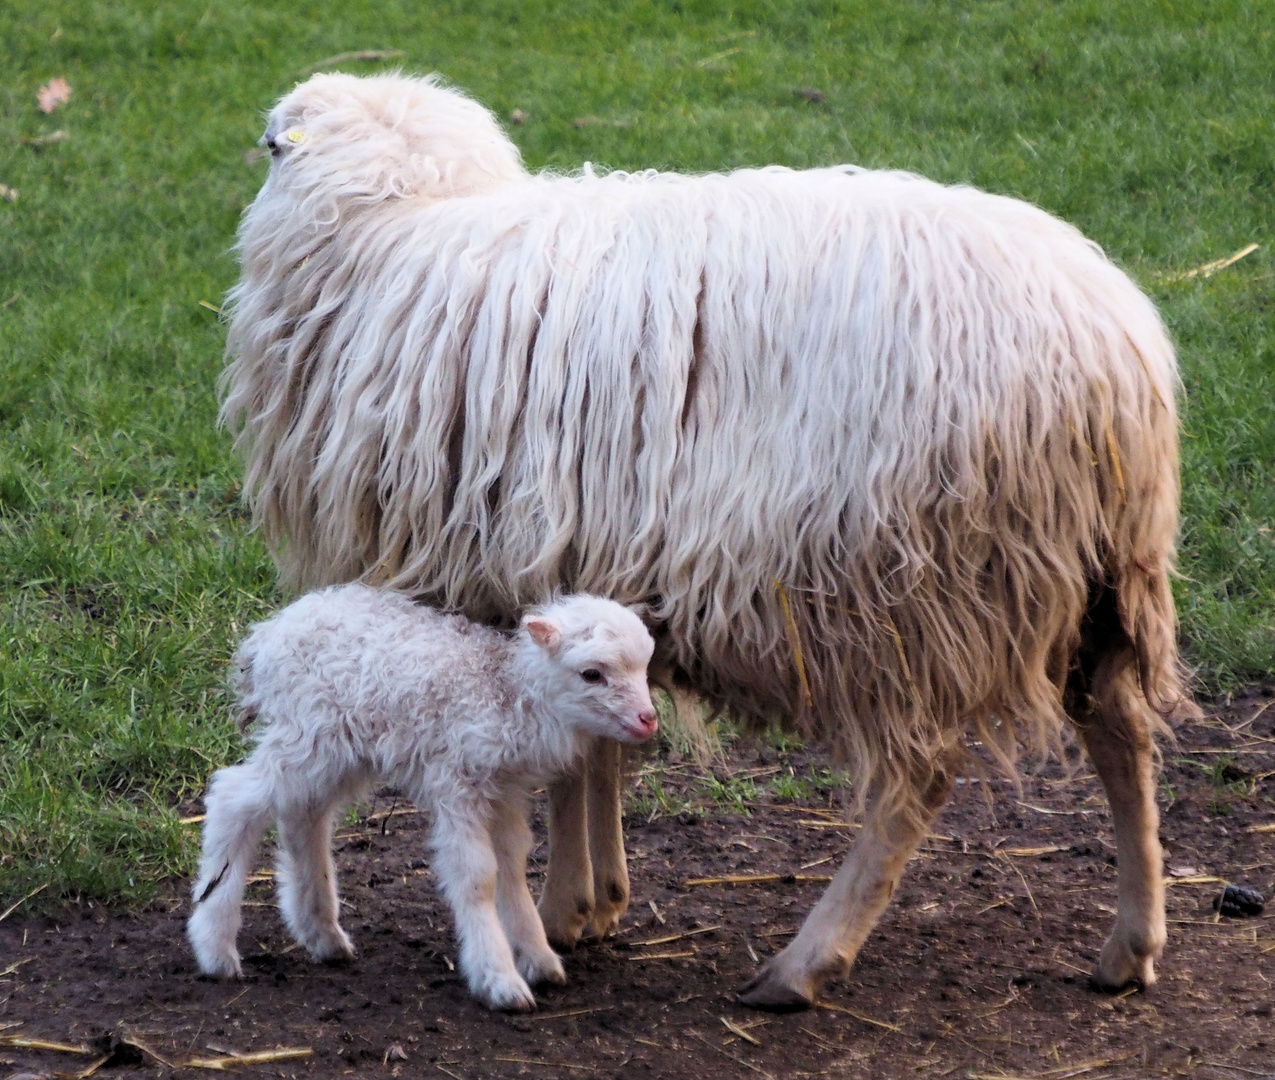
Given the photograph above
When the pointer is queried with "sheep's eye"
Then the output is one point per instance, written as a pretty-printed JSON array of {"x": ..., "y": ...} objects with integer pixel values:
[{"x": 591, "y": 675}]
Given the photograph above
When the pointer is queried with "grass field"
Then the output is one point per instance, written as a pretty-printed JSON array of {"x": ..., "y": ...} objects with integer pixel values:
[{"x": 126, "y": 568}]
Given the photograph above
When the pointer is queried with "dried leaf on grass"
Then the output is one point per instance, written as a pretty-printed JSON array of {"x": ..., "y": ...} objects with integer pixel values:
[
  {"x": 735, "y": 1029},
  {"x": 18, "y": 903},
  {"x": 676, "y": 937},
  {"x": 263, "y": 1057},
  {"x": 53, "y": 94},
  {"x": 8, "y": 194},
  {"x": 39, "y": 141},
  {"x": 345, "y": 57},
  {"x": 1208, "y": 269},
  {"x": 546, "y": 1064},
  {"x": 758, "y": 879},
  {"x": 662, "y": 956},
  {"x": 1028, "y": 852},
  {"x": 830, "y": 1007},
  {"x": 22, "y": 1042}
]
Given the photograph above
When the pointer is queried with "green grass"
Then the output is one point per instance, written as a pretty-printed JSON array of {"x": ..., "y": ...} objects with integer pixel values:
[{"x": 126, "y": 571}]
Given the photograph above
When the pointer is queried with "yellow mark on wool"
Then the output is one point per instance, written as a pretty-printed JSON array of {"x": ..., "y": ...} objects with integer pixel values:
[
  {"x": 1093, "y": 458},
  {"x": 296, "y": 136},
  {"x": 1113, "y": 452},
  {"x": 795, "y": 636},
  {"x": 888, "y": 625}
]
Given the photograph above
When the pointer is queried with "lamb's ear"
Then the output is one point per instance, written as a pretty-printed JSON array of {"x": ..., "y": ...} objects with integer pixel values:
[{"x": 544, "y": 632}]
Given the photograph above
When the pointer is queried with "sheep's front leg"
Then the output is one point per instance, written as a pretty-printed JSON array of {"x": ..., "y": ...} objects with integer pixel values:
[
  {"x": 466, "y": 867},
  {"x": 836, "y": 928},
  {"x": 512, "y": 840},
  {"x": 606, "y": 839},
  {"x": 566, "y": 904},
  {"x": 1116, "y": 735}
]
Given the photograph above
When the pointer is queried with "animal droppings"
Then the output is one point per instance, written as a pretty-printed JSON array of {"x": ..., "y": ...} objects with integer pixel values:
[{"x": 1236, "y": 902}]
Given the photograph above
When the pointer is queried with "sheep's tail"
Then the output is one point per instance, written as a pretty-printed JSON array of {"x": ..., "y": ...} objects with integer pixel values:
[{"x": 1139, "y": 460}]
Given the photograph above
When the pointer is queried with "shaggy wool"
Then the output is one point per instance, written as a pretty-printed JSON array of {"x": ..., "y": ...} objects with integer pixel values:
[{"x": 869, "y": 447}]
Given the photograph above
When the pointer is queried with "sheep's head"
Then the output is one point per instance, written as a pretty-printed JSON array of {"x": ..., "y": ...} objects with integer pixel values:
[
  {"x": 364, "y": 140},
  {"x": 593, "y": 655}
]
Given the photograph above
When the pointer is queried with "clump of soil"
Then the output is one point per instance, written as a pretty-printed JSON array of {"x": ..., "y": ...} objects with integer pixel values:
[{"x": 979, "y": 967}]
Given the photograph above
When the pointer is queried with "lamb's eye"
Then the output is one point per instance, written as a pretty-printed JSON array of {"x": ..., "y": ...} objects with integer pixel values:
[{"x": 592, "y": 675}]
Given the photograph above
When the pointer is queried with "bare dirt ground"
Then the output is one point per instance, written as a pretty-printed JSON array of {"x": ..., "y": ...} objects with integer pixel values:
[{"x": 979, "y": 968}]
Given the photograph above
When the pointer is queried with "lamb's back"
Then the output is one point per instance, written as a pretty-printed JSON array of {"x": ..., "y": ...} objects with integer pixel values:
[{"x": 366, "y": 664}]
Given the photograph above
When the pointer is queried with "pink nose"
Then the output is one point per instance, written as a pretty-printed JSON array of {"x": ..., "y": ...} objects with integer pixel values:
[{"x": 649, "y": 720}]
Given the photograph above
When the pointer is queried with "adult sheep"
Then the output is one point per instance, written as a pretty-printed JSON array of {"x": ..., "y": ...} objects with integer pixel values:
[{"x": 890, "y": 462}]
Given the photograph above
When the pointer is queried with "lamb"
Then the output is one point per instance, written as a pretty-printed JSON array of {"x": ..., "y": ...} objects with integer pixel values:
[
  {"x": 350, "y": 685},
  {"x": 893, "y": 464}
]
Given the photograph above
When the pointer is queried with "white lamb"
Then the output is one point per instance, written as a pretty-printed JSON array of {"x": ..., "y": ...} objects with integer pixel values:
[{"x": 351, "y": 685}]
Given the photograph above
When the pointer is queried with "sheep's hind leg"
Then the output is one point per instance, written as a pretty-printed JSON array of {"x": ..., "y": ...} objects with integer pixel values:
[
  {"x": 306, "y": 878},
  {"x": 511, "y": 838},
  {"x": 466, "y": 868},
  {"x": 566, "y": 905},
  {"x": 238, "y": 811},
  {"x": 1116, "y": 733},
  {"x": 840, "y": 922}
]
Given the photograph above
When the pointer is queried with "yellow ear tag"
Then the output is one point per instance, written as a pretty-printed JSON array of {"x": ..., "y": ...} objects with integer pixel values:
[{"x": 296, "y": 136}]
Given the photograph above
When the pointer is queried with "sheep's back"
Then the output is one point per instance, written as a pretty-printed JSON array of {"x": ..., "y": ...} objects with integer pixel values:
[{"x": 864, "y": 442}]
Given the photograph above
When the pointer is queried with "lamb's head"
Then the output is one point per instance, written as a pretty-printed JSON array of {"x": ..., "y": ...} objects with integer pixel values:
[
  {"x": 589, "y": 657},
  {"x": 365, "y": 140}
]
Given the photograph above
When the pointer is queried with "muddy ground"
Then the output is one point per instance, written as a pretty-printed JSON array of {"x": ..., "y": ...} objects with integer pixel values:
[{"x": 977, "y": 970}]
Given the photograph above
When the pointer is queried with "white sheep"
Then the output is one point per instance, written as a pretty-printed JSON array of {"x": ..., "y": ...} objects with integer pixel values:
[
  {"x": 352, "y": 685},
  {"x": 892, "y": 463}
]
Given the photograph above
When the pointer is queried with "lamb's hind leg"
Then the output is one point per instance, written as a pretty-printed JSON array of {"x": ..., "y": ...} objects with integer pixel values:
[
  {"x": 840, "y": 922},
  {"x": 238, "y": 811},
  {"x": 1116, "y": 730},
  {"x": 306, "y": 876}
]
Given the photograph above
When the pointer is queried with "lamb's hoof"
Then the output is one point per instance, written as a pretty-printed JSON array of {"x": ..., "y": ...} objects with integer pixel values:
[
  {"x": 770, "y": 991},
  {"x": 542, "y": 968},
  {"x": 220, "y": 967},
  {"x": 336, "y": 951},
  {"x": 505, "y": 993}
]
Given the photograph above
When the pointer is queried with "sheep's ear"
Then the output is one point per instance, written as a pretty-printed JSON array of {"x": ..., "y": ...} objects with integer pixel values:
[{"x": 544, "y": 632}]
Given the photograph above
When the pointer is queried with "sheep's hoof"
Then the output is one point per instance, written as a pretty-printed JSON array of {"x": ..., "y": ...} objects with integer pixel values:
[{"x": 769, "y": 990}]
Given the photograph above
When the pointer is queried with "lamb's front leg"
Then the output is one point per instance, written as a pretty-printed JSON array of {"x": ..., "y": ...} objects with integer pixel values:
[
  {"x": 512, "y": 840},
  {"x": 466, "y": 867}
]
